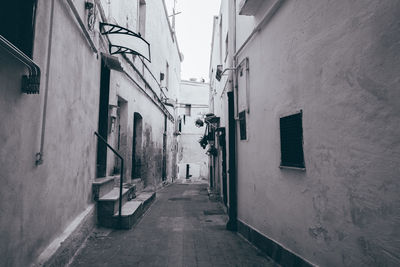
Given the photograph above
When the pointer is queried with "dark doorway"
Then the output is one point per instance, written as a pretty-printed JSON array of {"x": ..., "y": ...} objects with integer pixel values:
[
  {"x": 222, "y": 145},
  {"x": 137, "y": 146},
  {"x": 232, "y": 208},
  {"x": 164, "y": 155},
  {"x": 101, "y": 161},
  {"x": 187, "y": 171}
]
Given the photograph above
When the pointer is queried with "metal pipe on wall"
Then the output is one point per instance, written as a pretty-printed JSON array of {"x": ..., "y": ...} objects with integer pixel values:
[
  {"x": 40, "y": 154},
  {"x": 232, "y": 211}
]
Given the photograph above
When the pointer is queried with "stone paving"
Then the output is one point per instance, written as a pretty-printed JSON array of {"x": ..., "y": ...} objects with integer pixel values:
[{"x": 181, "y": 228}]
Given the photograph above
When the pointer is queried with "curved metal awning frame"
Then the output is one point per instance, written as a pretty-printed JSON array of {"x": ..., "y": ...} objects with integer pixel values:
[{"x": 114, "y": 48}]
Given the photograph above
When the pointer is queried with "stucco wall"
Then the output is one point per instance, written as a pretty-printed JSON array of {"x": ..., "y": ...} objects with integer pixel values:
[
  {"x": 219, "y": 89},
  {"x": 141, "y": 100},
  {"x": 152, "y": 131},
  {"x": 38, "y": 202},
  {"x": 337, "y": 62}
]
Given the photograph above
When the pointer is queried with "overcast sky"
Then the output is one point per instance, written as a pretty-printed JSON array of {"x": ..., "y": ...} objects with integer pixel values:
[{"x": 193, "y": 30}]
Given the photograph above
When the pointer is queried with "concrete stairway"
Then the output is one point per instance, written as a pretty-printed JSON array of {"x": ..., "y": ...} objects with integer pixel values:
[{"x": 107, "y": 196}]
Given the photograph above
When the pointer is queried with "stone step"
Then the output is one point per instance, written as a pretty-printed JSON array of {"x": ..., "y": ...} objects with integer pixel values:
[
  {"x": 133, "y": 210},
  {"x": 102, "y": 186},
  {"x": 139, "y": 184},
  {"x": 147, "y": 198},
  {"x": 108, "y": 204}
]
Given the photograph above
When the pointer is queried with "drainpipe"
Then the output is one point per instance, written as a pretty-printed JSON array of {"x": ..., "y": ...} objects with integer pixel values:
[
  {"x": 40, "y": 154},
  {"x": 232, "y": 223}
]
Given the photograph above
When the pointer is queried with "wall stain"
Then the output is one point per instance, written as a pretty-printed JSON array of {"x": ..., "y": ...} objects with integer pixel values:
[
  {"x": 318, "y": 233},
  {"x": 152, "y": 159},
  {"x": 378, "y": 90},
  {"x": 340, "y": 235}
]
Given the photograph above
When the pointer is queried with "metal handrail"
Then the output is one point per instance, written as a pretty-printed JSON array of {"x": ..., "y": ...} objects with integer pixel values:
[{"x": 122, "y": 174}]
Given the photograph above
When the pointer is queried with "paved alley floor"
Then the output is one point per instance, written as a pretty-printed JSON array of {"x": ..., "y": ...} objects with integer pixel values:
[{"x": 181, "y": 228}]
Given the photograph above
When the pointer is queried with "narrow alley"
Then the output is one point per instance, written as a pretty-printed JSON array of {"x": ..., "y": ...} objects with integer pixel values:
[
  {"x": 200, "y": 133},
  {"x": 183, "y": 227}
]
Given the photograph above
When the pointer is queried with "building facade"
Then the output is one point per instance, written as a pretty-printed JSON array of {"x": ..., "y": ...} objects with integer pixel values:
[
  {"x": 309, "y": 93},
  {"x": 60, "y": 85},
  {"x": 192, "y": 105}
]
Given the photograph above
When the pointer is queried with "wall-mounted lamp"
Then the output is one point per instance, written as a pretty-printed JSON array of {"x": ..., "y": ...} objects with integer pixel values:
[
  {"x": 113, "y": 115},
  {"x": 91, "y": 16},
  {"x": 220, "y": 72},
  {"x": 168, "y": 101}
]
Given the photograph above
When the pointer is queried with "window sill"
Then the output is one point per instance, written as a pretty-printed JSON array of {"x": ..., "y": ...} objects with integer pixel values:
[{"x": 292, "y": 168}]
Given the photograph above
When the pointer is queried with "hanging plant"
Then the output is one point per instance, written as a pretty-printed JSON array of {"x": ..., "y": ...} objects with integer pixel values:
[
  {"x": 199, "y": 123},
  {"x": 212, "y": 151},
  {"x": 203, "y": 141}
]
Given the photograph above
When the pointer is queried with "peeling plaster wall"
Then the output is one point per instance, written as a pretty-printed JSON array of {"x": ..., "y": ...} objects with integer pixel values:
[
  {"x": 152, "y": 131},
  {"x": 163, "y": 49},
  {"x": 339, "y": 62},
  {"x": 38, "y": 202}
]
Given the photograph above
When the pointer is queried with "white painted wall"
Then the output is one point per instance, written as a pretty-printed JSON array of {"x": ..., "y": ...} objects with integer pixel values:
[
  {"x": 339, "y": 63},
  {"x": 60, "y": 189},
  {"x": 164, "y": 49}
]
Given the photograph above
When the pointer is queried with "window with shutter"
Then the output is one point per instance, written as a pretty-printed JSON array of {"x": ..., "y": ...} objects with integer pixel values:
[
  {"x": 291, "y": 132},
  {"x": 242, "y": 125}
]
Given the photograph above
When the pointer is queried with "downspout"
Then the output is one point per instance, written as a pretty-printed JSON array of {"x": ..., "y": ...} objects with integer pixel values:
[
  {"x": 235, "y": 65},
  {"x": 39, "y": 155},
  {"x": 232, "y": 223},
  {"x": 235, "y": 86}
]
